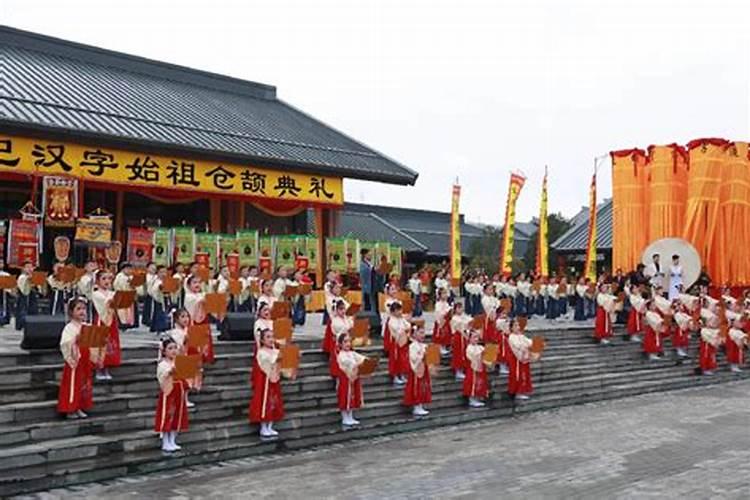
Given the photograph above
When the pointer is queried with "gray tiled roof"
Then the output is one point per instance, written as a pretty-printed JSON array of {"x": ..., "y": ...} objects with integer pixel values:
[
  {"x": 424, "y": 230},
  {"x": 61, "y": 87},
  {"x": 575, "y": 238}
]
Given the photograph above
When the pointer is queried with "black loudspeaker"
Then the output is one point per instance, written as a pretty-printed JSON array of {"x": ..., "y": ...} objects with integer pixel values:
[
  {"x": 237, "y": 326},
  {"x": 42, "y": 332}
]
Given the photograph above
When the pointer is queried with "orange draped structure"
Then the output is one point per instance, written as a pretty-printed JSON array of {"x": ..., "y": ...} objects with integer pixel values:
[
  {"x": 700, "y": 193},
  {"x": 733, "y": 229},
  {"x": 667, "y": 190},
  {"x": 629, "y": 198},
  {"x": 704, "y": 188}
]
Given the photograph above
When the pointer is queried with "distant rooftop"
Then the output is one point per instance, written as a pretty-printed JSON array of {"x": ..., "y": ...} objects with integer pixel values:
[{"x": 65, "y": 88}]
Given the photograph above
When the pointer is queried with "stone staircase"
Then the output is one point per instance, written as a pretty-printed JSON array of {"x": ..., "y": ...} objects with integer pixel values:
[{"x": 40, "y": 450}]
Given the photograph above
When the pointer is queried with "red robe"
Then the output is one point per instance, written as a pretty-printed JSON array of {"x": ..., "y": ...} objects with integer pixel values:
[
  {"x": 603, "y": 324},
  {"x": 491, "y": 335},
  {"x": 112, "y": 351},
  {"x": 387, "y": 343},
  {"x": 635, "y": 322},
  {"x": 398, "y": 360},
  {"x": 267, "y": 404},
  {"x": 442, "y": 335},
  {"x": 475, "y": 384},
  {"x": 458, "y": 352},
  {"x": 208, "y": 354},
  {"x": 735, "y": 353},
  {"x": 519, "y": 375},
  {"x": 76, "y": 387},
  {"x": 652, "y": 341},
  {"x": 349, "y": 393},
  {"x": 171, "y": 409},
  {"x": 680, "y": 338},
  {"x": 329, "y": 343},
  {"x": 707, "y": 357},
  {"x": 418, "y": 390}
]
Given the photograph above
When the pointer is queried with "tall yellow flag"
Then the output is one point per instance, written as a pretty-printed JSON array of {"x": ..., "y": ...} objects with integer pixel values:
[
  {"x": 590, "y": 266},
  {"x": 455, "y": 234},
  {"x": 542, "y": 244},
  {"x": 506, "y": 251}
]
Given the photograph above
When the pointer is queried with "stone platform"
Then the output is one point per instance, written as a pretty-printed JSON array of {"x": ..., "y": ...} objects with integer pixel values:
[{"x": 39, "y": 450}]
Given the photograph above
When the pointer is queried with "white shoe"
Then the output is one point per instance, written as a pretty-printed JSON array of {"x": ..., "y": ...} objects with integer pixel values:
[
  {"x": 101, "y": 376},
  {"x": 107, "y": 375},
  {"x": 72, "y": 416},
  {"x": 264, "y": 431},
  {"x": 736, "y": 369},
  {"x": 635, "y": 338},
  {"x": 460, "y": 376},
  {"x": 444, "y": 351},
  {"x": 352, "y": 420},
  {"x": 166, "y": 446},
  {"x": 653, "y": 357},
  {"x": 81, "y": 414},
  {"x": 419, "y": 411},
  {"x": 189, "y": 403},
  {"x": 522, "y": 396},
  {"x": 708, "y": 372},
  {"x": 173, "y": 441},
  {"x": 603, "y": 342},
  {"x": 475, "y": 403},
  {"x": 503, "y": 369}
]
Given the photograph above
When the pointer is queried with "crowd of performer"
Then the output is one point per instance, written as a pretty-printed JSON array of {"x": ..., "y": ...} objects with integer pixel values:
[{"x": 479, "y": 329}]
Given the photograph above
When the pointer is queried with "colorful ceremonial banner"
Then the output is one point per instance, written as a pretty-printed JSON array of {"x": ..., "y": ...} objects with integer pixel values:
[
  {"x": 285, "y": 246},
  {"x": 506, "y": 250},
  {"x": 23, "y": 242},
  {"x": 21, "y": 155},
  {"x": 311, "y": 242},
  {"x": 455, "y": 243},
  {"x": 140, "y": 245},
  {"x": 208, "y": 243},
  {"x": 60, "y": 201},
  {"x": 589, "y": 268},
  {"x": 184, "y": 244},
  {"x": 267, "y": 253},
  {"x": 396, "y": 260},
  {"x": 3, "y": 233},
  {"x": 94, "y": 231},
  {"x": 352, "y": 255},
  {"x": 336, "y": 250},
  {"x": 382, "y": 253},
  {"x": 227, "y": 245},
  {"x": 247, "y": 244},
  {"x": 542, "y": 242},
  {"x": 629, "y": 207},
  {"x": 162, "y": 244}
]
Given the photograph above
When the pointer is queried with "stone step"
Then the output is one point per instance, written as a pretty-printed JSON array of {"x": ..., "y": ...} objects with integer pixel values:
[{"x": 81, "y": 469}]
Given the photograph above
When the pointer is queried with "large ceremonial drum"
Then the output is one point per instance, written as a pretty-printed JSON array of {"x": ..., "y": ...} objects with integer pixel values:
[{"x": 666, "y": 248}]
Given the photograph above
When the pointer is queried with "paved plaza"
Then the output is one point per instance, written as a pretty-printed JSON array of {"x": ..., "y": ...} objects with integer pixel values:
[{"x": 690, "y": 444}]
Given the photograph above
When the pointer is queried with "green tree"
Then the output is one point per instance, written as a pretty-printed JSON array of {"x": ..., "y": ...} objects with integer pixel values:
[
  {"x": 556, "y": 226},
  {"x": 484, "y": 252}
]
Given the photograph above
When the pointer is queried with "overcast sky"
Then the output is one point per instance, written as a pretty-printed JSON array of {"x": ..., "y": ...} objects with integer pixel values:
[{"x": 472, "y": 89}]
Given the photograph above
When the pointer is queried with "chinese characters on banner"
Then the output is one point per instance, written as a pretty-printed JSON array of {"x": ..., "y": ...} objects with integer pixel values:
[
  {"x": 23, "y": 155},
  {"x": 506, "y": 251},
  {"x": 455, "y": 249},
  {"x": 590, "y": 265},
  {"x": 140, "y": 245},
  {"x": 60, "y": 201},
  {"x": 162, "y": 244},
  {"x": 23, "y": 242},
  {"x": 3, "y": 230},
  {"x": 542, "y": 250}
]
